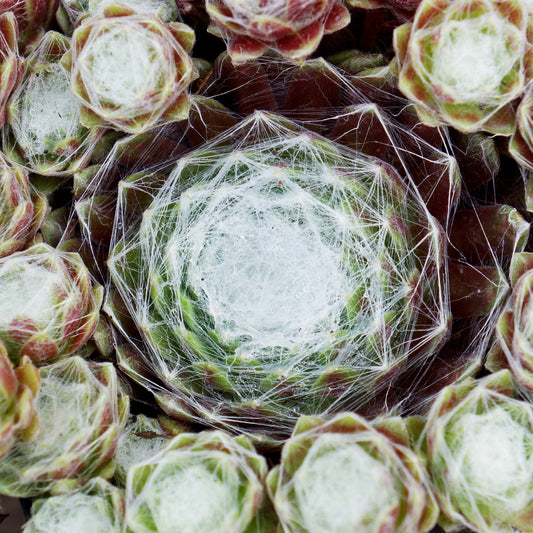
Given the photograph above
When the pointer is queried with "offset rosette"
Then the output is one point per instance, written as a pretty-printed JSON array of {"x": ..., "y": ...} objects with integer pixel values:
[
  {"x": 50, "y": 305},
  {"x": 22, "y": 209},
  {"x": 43, "y": 131},
  {"x": 274, "y": 273},
  {"x": 206, "y": 482},
  {"x": 349, "y": 475},
  {"x": 294, "y": 28},
  {"x": 81, "y": 414},
  {"x": 70, "y": 12},
  {"x": 131, "y": 71},
  {"x": 521, "y": 144},
  {"x": 463, "y": 63},
  {"x": 478, "y": 441},
  {"x": 514, "y": 329},
  {"x": 97, "y": 506},
  {"x": 18, "y": 388}
]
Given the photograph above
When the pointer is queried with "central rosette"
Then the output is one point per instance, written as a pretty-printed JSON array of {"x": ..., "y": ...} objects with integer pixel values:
[{"x": 284, "y": 276}]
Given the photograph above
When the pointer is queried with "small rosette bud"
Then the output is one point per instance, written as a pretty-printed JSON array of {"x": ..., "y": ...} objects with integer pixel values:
[
  {"x": 207, "y": 483},
  {"x": 141, "y": 439},
  {"x": 294, "y": 28},
  {"x": 463, "y": 63},
  {"x": 95, "y": 507},
  {"x": 478, "y": 441},
  {"x": 131, "y": 71},
  {"x": 50, "y": 305},
  {"x": 349, "y": 475},
  {"x": 81, "y": 414},
  {"x": 43, "y": 131}
]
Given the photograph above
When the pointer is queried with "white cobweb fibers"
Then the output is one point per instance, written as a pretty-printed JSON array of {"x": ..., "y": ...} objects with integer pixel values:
[{"x": 278, "y": 272}]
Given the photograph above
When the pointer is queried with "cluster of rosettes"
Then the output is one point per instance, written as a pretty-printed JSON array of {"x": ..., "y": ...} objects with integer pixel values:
[{"x": 311, "y": 265}]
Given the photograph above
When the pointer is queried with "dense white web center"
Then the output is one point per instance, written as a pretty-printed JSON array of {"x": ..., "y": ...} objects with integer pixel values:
[
  {"x": 76, "y": 512},
  {"x": 473, "y": 58},
  {"x": 492, "y": 458},
  {"x": 192, "y": 498},
  {"x": 340, "y": 487},
  {"x": 265, "y": 278},
  {"x": 29, "y": 290},
  {"x": 47, "y": 112},
  {"x": 125, "y": 66}
]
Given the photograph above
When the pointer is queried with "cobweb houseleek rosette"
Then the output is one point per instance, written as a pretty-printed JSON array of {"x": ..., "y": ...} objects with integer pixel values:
[
  {"x": 276, "y": 273},
  {"x": 204, "y": 482},
  {"x": 521, "y": 142},
  {"x": 347, "y": 474},
  {"x": 478, "y": 440},
  {"x": 43, "y": 132},
  {"x": 514, "y": 329},
  {"x": 71, "y": 12},
  {"x": 81, "y": 414},
  {"x": 463, "y": 63},
  {"x": 96, "y": 506},
  {"x": 22, "y": 209},
  {"x": 294, "y": 28},
  {"x": 50, "y": 305},
  {"x": 131, "y": 71}
]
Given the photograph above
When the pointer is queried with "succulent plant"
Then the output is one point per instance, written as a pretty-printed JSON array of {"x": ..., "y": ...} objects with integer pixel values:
[
  {"x": 514, "y": 329},
  {"x": 22, "y": 209},
  {"x": 81, "y": 414},
  {"x": 97, "y": 506},
  {"x": 70, "y": 12},
  {"x": 142, "y": 438},
  {"x": 294, "y": 28},
  {"x": 478, "y": 439},
  {"x": 207, "y": 482},
  {"x": 463, "y": 63},
  {"x": 50, "y": 305},
  {"x": 347, "y": 474},
  {"x": 18, "y": 388},
  {"x": 43, "y": 131},
  {"x": 131, "y": 71},
  {"x": 274, "y": 273},
  {"x": 521, "y": 142}
]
